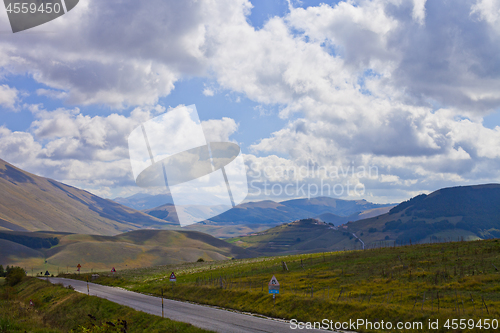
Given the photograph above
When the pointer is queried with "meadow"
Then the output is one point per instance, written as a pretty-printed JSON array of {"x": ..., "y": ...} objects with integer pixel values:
[{"x": 443, "y": 281}]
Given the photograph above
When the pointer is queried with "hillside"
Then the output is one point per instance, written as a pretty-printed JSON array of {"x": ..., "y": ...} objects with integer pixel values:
[
  {"x": 338, "y": 220},
  {"x": 32, "y": 203},
  {"x": 471, "y": 212},
  {"x": 302, "y": 236},
  {"x": 139, "y": 248},
  {"x": 142, "y": 201}
]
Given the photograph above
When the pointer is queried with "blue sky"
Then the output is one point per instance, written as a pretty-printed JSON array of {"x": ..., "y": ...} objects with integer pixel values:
[{"x": 410, "y": 87}]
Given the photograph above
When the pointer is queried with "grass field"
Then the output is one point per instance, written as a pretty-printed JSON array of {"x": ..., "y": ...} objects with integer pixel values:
[
  {"x": 58, "y": 309},
  {"x": 411, "y": 283}
]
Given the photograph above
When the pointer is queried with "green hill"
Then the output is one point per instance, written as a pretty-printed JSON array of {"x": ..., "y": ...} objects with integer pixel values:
[
  {"x": 32, "y": 203},
  {"x": 471, "y": 212},
  {"x": 302, "y": 236},
  {"x": 140, "y": 248}
]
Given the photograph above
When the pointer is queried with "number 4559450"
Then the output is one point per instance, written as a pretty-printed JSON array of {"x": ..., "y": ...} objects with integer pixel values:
[
  {"x": 32, "y": 8},
  {"x": 463, "y": 324}
]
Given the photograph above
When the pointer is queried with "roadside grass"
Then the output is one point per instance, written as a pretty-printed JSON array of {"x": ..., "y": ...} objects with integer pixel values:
[
  {"x": 410, "y": 283},
  {"x": 59, "y": 309}
]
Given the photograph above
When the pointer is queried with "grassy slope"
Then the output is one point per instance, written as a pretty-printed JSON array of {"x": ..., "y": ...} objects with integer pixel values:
[
  {"x": 29, "y": 202},
  {"x": 379, "y": 284},
  {"x": 58, "y": 309},
  {"x": 471, "y": 212},
  {"x": 138, "y": 248},
  {"x": 298, "y": 237}
]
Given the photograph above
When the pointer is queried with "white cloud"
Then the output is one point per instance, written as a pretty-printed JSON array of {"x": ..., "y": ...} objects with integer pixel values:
[
  {"x": 488, "y": 10},
  {"x": 52, "y": 93},
  {"x": 219, "y": 130},
  {"x": 418, "y": 13},
  {"x": 8, "y": 96},
  {"x": 208, "y": 92},
  {"x": 123, "y": 54},
  {"x": 84, "y": 151}
]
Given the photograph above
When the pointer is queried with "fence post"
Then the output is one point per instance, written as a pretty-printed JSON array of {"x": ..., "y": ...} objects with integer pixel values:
[{"x": 482, "y": 297}]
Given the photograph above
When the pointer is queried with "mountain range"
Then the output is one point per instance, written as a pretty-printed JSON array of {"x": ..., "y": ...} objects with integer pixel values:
[
  {"x": 271, "y": 213},
  {"x": 449, "y": 214}
]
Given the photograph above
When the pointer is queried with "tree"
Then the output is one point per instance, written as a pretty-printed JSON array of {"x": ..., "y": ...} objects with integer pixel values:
[
  {"x": 2, "y": 271},
  {"x": 14, "y": 276}
]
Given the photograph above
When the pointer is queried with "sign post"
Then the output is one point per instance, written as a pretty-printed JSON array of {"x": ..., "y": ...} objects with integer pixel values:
[
  {"x": 113, "y": 270},
  {"x": 78, "y": 268},
  {"x": 88, "y": 289},
  {"x": 162, "y": 302},
  {"x": 274, "y": 288},
  {"x": 173, "y": 278}
]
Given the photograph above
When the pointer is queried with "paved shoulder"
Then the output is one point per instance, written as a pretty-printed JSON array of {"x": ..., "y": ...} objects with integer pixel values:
[{"x": 201, "y": 316}]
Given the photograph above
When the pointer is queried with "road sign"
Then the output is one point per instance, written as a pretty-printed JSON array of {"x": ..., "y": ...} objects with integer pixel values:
[
  {"x": 113, "y": 270},
  {"x": 172, "y": 277},
  {"x": 47, "y": 273},
  {"x": 31, "y": 302},
  {"x": 274, "y": 286},
  {"x": 78, "y": 267}
]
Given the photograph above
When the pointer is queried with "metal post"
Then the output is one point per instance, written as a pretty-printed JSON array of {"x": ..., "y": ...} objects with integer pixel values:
[{"x": 162, "y": 302}]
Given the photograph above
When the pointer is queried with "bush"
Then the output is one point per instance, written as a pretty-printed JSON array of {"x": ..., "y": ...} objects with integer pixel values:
[
  {"x": 200, "y": 260},
  {"x": 14, "y": 276}
]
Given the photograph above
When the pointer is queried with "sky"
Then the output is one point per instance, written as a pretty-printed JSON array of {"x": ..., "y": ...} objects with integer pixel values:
[{"x": 379, "y": 100}]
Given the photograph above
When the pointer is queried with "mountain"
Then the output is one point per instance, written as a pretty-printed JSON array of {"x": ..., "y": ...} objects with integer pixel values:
[
  {"x": 470, "y": 212},
  {"x": 143, "y": 201},
  {"x": 31, "y": 203},
  {"x": 271, "y": 213},
  {"x": 134, "y": 249}
]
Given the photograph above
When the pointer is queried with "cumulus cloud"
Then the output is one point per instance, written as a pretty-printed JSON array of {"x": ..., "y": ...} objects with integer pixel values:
[
  {"x": 403, "y": 84},
  {"x": 400, "y": 84},
  {"x": 8, "y": 96},
  {"x": 84, "y": 151},
  {"x": 216, "y": 130},
  {"x": 123, "y": 54}
]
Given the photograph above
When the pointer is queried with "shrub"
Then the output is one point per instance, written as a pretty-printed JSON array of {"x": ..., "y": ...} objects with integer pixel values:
[
  {"x": 200, "y": 260},
  {"x": 14, "y": 276}
]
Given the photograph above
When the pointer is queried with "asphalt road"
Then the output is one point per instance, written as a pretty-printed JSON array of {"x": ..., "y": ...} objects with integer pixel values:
[{"x": 198, "y": 315}]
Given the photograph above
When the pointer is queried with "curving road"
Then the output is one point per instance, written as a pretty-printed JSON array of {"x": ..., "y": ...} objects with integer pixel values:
[{"x": 198, "y": 315}]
